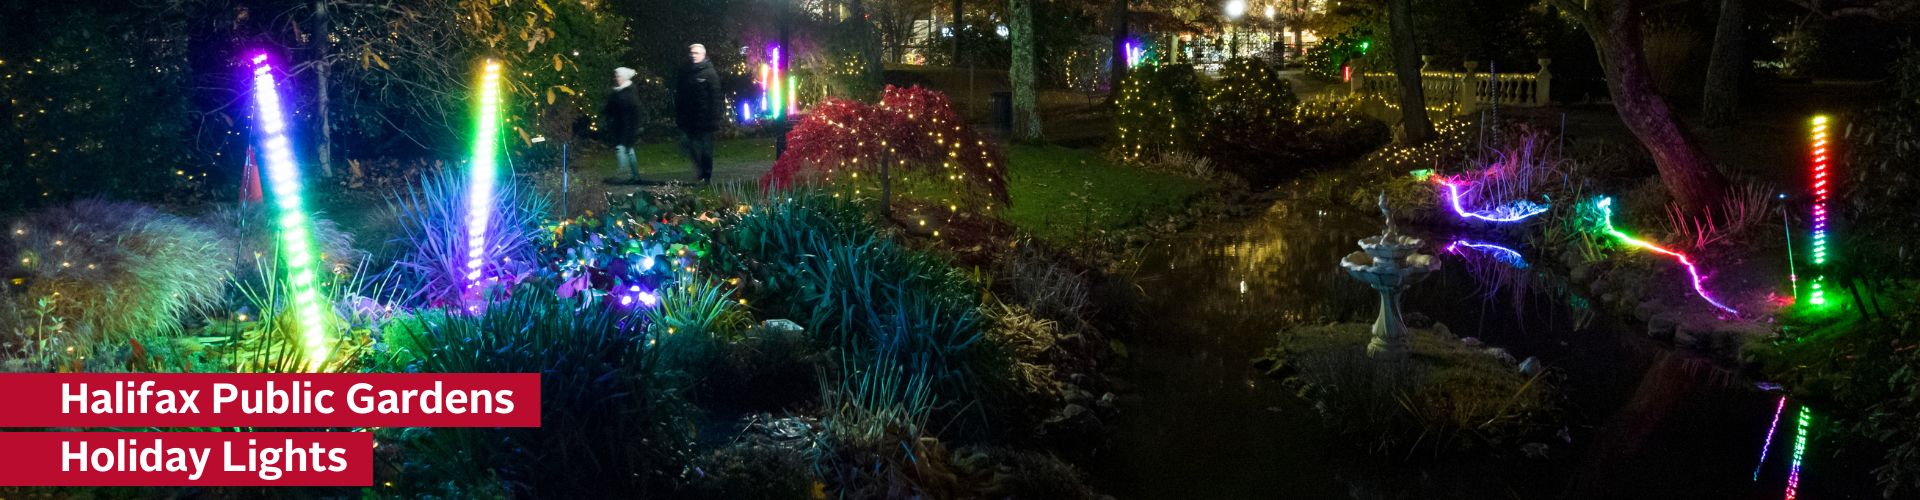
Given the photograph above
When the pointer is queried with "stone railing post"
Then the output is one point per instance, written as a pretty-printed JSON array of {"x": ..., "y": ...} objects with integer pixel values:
[
  {"x": 1468, "y": 93},
  {"x": 1543, "y": 83}
]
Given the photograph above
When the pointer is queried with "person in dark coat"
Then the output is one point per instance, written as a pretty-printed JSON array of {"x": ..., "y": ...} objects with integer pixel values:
[
  {"x": 622, "y": 118},
  {"x": 698, "y": 110}
]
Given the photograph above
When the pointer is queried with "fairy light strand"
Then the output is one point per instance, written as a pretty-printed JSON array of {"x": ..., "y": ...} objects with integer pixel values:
[
  {"x": 1606, "y": 224},
  {"x": 1512, "y": 212}
]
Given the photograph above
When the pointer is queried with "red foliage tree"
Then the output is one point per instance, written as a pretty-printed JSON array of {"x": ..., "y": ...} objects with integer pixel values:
[{"x": 912, "y": 130}]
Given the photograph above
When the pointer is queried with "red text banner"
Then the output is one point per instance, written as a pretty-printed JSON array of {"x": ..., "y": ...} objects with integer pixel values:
[
  {"x": 186, "y": 459},
  {"x": 60, "y": 400}
]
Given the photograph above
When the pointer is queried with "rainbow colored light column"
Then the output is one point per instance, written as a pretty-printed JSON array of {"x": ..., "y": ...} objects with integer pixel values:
[
  {"x": 1799, "y": 451},
  {"x": 296, "y": 241},
  {"x": 1519, "y": 211},
  {"x": 1819, "y": 295},
  {"x": 1764, "y": 445},
  {"x": 482, "y": 172},
  {"x": 1606, "y": 224}
]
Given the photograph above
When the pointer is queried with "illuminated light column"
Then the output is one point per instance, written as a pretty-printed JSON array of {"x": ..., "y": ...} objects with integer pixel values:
[
  {"x": 1764, "y": 445},
  {"x": 1819, "y": 295},
  {"x": 482, "y": 172},
  {"x": 1518, "y": 211},
  {"x": 775, "y": 103},
  {"x": 295, "y": 229},
  {"x": 793, "y": 90},
  {"x": 1799, "y": 451},
  {"x": 1606, "y": 224}
]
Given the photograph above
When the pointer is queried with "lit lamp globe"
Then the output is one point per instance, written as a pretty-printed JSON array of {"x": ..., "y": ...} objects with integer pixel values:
[{"x": 1236, "y": 8}]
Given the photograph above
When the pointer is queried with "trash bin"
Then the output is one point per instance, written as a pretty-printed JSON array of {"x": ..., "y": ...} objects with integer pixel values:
[{"x": 1002, "y": 105}]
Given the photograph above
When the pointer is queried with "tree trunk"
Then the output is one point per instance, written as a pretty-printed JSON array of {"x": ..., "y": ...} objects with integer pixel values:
[
  {"x": 1720, "y": 100},
  {"x": 322, "y": 25},
  {"x": 1026, "y": 115},
  {"x": 1406, "y": 69},
  {"x": 871, "y": 57},
  {"x": 1119, "y": 62},
  {"x": 1684, "y": 168},
  {"x": 959, "y": 26}
]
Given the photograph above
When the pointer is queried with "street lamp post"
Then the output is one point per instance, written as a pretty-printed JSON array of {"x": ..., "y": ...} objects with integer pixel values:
[{"x": 1235, "y": 9}]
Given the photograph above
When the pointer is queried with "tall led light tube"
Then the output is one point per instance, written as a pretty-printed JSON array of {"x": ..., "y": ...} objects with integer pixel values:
[
  {"x": 482, "y": 171},
  {"x": 296, "y": 240},
  {"x": 1819, "y": 186}
]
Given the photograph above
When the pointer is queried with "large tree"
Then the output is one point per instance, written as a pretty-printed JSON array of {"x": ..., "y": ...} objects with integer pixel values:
[
  {"x": 1720, "y": 100},
  {"x": 1406, "y": 69},
  {"x": 1615, "y": 27},
  {"x": 1026, "y": 112}
]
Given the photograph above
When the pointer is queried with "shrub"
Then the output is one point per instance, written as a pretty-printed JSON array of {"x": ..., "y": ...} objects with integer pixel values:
[
  {"x": 694, "y": 314},
  {"x": 1250, "y": 111},
  {"x": 913, "y": 130},
  {"x": 613, "y": 421},
  {"x": 114, "y": 270},
  {"x": 1042, "y": 283},
  {"x": 433, "y": 244},
  {"x": 816, "y": 261},
  {"x": 1161, "y": 109}
]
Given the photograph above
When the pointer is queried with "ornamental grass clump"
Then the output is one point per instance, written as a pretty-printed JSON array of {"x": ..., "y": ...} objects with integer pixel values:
[
  {"x": 816, "y": 261},
  {"x": 613, "y": 421},
  {"x": 432, "y": 247},
  {"x": 110, "y": 271}
]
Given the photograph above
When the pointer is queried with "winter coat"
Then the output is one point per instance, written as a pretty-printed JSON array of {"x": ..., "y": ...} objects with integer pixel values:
[
  {"x": 697, "y": 105},
  {"x": 623, "y": 116}
]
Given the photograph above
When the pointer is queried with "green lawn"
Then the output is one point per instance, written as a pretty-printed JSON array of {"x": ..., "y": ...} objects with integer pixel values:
[
  {"x": 1060, "y": 194},
  {"x": 733, "y": 160}
]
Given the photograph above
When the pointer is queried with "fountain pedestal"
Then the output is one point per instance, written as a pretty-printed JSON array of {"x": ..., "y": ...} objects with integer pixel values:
[{"x": 1389, "y": 263}]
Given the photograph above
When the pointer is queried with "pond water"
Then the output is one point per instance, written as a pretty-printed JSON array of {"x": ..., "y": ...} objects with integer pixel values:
[{"x": 1197, "y": 421}]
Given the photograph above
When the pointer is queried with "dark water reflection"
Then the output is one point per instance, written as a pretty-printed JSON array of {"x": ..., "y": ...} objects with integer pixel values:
[{"x": 1646, "y": 422}]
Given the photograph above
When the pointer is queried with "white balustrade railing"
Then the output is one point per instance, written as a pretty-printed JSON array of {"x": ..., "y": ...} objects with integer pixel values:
[{"x": 1463, "y": 91}]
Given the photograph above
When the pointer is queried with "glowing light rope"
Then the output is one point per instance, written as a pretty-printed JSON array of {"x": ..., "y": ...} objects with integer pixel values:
[
  {"x": 295, "y": 229},
  {"x": 1799, "y": 451},
  {"x": 482, "y": 172},
  {"x": 1764, "y": 445},
  {"x": 1511, "y": 212},
  {"x": 1504, "y": 254},
  {"x": 1606, "y": 220},
  {"x": 1819, "y": 294}
]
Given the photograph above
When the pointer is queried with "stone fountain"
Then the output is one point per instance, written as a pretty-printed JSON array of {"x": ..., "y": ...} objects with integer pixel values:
[{"x": 1389, "y": 263}]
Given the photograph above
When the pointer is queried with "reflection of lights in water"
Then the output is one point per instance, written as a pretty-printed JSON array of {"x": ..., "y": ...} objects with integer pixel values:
[
  {"x": 1764, "y": 445},
  {"x": 1511, "y": 212},
  {"x": 1799, "y": 451},
  {"x": 1606, "y": 225},
  {"x": 1503, "y": 254}
]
